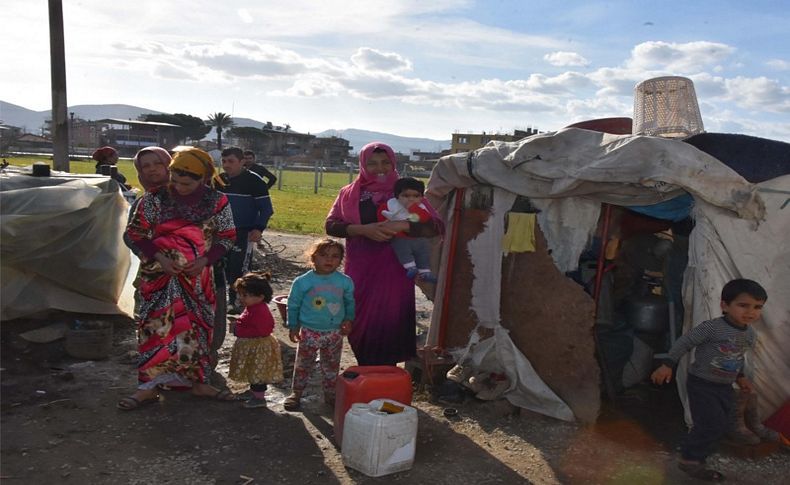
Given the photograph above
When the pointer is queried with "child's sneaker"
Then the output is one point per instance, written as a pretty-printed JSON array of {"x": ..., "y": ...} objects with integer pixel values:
[
  {"x": 411, "y": 272},
  {"x": 255, "y": 403},
  {"x": 459, "y": 373}
]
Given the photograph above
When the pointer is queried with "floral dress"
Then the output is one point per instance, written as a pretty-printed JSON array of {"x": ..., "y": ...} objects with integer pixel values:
[{"x": 176, "y": 313}]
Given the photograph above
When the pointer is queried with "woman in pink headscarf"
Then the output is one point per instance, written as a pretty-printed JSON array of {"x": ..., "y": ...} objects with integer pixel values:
[
  {"x": 151, "y": 164},
  {"x": 384, "y": 328}
]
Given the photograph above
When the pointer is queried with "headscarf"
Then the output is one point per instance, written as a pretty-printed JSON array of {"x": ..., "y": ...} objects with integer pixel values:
[
  {"x": 197, "y": 162},
  {"x": 346, "y": 205},
  {"x": 163, "y": 158},
  {"x": 103, "y": 154}
]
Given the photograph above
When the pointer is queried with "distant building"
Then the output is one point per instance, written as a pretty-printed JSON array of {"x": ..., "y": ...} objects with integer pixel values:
[
  {"x": 29, "y": 142},
  {"x": 466, "y": 142},
  {"x": 128, "y": 136},
  {"x": 333, "y": 150},
  {"x": 8, "y": 135},
  {"x": 84, "y": 136},
  {"x": 282, "y": 142},
  {"x": 419, "y": 157},
  {"x": 421, "y": 163}
]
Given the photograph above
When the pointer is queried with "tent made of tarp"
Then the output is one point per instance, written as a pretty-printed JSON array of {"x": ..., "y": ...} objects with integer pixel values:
[
  {"x": 519, "y": 314},
  {"x": 61, "y": 243}
]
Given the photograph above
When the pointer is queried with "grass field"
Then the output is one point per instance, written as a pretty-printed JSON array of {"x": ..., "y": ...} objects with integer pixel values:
[{"x": 296, "y": 208}]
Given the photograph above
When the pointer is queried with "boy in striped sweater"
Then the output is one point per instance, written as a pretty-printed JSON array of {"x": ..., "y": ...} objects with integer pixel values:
[{"x": 720, "y": 345}]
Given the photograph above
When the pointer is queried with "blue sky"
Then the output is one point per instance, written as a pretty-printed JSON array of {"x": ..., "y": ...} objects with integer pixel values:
[{"x": 412, "y": 68}]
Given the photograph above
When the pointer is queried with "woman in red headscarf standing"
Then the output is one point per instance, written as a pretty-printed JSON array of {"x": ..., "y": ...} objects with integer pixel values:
[
  {"x": 384, "y": 331},
  {"x": 181, "y": 229}
]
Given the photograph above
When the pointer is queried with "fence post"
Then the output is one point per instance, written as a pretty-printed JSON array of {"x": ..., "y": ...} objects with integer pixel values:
[
  {"x": 321, "y": 175},
  {"x": 279, "y": 176},
  {"x": 315, "y": 181},
  {"x": 350, "y": 172}
]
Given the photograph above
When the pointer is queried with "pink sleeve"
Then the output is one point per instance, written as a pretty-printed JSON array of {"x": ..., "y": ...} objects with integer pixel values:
[{"x": 335, "y": 213}]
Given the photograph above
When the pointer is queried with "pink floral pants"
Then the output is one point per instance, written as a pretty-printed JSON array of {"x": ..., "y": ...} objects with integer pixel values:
[{"x": 329, "y": 346}]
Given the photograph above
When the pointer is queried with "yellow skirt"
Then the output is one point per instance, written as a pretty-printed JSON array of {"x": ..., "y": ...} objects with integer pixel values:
[{"x": 256, "y": 360}]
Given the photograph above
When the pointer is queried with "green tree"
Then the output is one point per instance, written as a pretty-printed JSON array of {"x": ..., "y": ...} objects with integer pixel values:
[
  {"x": 191, "y": 127},
  {"x": 220, "y": 121}
]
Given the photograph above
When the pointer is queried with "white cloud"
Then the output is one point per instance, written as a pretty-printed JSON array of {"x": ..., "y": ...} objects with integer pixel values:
[
  {"x": 376, "y": 75},
  {"x": 678, "y": 58},
  {"x": 566, "y": 83},
  {"x": 374, "y": 60},
  {"x": 617, "y": 81},
  {"x": 245, "y": 16},
  {"x": 314, "y": 86},
  {"x": 708, "y": 86},
  {"x": 758, "y": 93},
  {"x": 583, "y": 109},
  {"x": 169, "y": 71},
  {"x": 245, "y": 58},
  {"x": 564, "y": 58},
  {"x": 409, "y": 58},
  {"x": 778, "y": 64}
]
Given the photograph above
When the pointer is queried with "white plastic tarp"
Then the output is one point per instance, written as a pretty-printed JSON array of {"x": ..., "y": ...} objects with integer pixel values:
[
  {"x": 527, "y": 389},
  {"x": 60, "y": 244},
  {"x": 723, "y": 247},
  {"x": 568, "y": 175}
]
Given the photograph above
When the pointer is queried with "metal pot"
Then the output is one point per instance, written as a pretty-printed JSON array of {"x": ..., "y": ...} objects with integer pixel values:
[{"x": 648, "y": 313}]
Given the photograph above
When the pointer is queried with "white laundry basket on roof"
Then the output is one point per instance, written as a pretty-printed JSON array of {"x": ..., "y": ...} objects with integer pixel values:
[{"x": 666, "y": 106}]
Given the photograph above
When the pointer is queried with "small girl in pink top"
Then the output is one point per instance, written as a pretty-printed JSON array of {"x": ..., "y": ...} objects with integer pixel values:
[{"x": 256, "y": 354}]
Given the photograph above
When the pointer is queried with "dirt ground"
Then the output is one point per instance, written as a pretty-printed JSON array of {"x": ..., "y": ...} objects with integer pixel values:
[{"x": 60, "y": 425}]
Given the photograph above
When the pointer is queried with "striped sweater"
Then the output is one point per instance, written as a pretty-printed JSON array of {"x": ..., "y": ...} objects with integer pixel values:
[{"x": 720, "y": 349}]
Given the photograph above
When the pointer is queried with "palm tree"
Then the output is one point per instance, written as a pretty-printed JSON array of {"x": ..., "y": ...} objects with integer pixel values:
[{"x": 220, "y": 121}]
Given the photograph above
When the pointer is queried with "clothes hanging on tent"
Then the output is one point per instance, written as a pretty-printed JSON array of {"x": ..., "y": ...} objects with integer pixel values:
[{"x": 520, "y": 233}]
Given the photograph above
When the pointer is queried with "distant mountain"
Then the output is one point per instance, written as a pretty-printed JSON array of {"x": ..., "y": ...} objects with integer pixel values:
[
  {"x": 32, "y": 121},
  {"x": 100, "y": 111},
  {"x": 27, "y": 119},
  {"x": 248, "y": 122},
  {"x": 402, "y": 144}
]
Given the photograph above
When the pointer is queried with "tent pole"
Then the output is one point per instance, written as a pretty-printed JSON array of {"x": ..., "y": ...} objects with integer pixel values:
[
  {"x": 607, "y": 380},
  {"x": 459, "y": 197},
  {"x": 607, "y": 214}
]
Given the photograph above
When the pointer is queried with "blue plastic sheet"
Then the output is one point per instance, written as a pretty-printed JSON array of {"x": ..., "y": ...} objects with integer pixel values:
[{"x": 674, "y": 210}]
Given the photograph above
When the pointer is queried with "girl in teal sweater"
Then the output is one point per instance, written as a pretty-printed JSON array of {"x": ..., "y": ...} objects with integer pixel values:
[{"x": 320, "y": 313}]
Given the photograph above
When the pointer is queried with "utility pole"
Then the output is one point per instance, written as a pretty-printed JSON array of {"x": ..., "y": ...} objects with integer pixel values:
[
  {"x": 57, "y": 54},
  {"x": 71, "y": 133}
]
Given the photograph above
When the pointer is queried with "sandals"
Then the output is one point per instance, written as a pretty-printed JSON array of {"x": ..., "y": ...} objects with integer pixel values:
[
  {"x": 130, "y": 403},
  {"x": 292, "y": 402},
  {"x": 698, "y": 471},
  {"x": 224, "y": 395}
]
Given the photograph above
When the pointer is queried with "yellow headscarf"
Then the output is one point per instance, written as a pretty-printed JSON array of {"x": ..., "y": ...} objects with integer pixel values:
[{"x": 198, "y": 162}]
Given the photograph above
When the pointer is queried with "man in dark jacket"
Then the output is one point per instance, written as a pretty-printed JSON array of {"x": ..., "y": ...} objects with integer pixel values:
[
  {"x": 251, "y": 205},
  {"x": 263, "y": 172}
]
